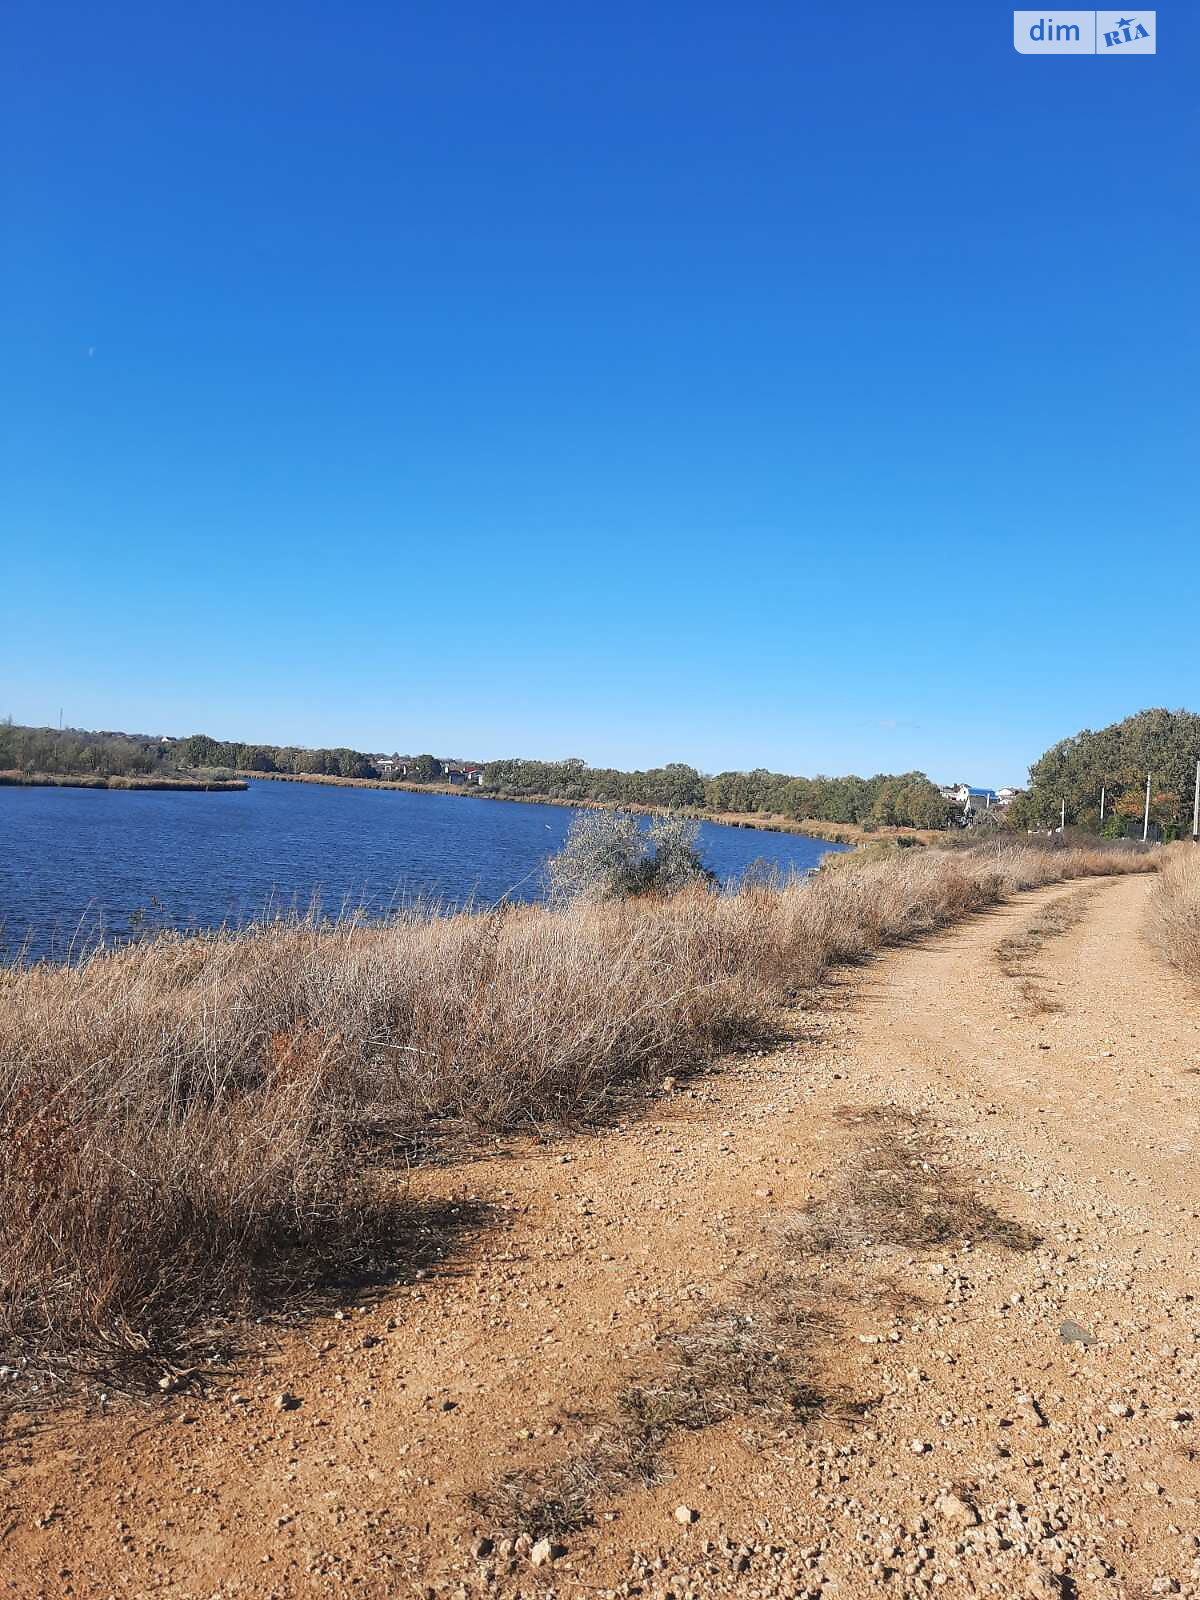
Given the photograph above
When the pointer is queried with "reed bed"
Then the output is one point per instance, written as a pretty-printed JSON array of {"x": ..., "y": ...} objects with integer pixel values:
[{"x": 187, "y": 1123}]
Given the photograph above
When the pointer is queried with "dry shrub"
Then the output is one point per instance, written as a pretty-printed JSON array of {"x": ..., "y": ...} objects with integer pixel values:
[
  {"x": 185, "y": 1121},
  {"x": 608, "y": 855},
  {"x": 1174, "y": 916}
]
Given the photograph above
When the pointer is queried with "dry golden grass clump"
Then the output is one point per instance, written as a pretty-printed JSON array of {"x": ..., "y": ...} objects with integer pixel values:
[
  {"x": 1174, "y": 924},
  {"x": 186, "y": 1122}
]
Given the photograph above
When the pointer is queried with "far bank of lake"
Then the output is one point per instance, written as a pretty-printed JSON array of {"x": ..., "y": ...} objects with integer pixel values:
[
  {"x": 846, "y": 833},
  {"x": 116, "y": 780}
]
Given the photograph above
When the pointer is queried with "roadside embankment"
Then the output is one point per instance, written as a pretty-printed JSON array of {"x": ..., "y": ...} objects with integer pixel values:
[
  {"x": 194, "y": 1124},
  {"x": 1173, "y": 916}
]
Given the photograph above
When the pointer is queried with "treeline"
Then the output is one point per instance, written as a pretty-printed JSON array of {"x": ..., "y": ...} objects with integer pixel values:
[
  {"x": 1116, "y": 760},
  {"x": 70, "y": 752},
  {"x": 76, "y": 752},
  {"x": 199, "y": 750},
  {"x": 909, "y": 800},
  {"x": 1113, "y": 761}
]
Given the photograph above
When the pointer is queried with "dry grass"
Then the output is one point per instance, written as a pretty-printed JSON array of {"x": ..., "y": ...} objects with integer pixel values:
[
  {"x": 1174, "y": 919},
  {"x": 751, "y": 1360},
  {"x": 902, "y": 1188},
  {"x": 189, "y": 1124}
]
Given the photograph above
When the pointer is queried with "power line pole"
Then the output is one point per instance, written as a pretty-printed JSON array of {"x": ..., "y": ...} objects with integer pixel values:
[
  {"x": 1196, "y": 807},
  {"x": 1146, "y": 818}
]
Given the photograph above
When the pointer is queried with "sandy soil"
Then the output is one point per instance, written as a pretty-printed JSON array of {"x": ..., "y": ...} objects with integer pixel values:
[{"x": 979, "y": 1139}]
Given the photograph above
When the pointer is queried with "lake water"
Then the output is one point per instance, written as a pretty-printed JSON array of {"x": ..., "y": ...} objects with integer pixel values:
[{"x": 79, "y": 864}]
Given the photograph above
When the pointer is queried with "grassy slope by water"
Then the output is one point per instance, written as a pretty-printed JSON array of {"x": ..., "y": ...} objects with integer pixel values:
[{"x": 191, "y": 1122}]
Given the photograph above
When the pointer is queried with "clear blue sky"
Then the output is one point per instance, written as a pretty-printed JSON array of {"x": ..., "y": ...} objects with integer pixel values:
[{"x": 782, "y": 384}]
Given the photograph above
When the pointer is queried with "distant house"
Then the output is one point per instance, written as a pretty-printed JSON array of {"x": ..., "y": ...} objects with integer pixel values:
[
  {"x": 462, "y": 773},
  {"x": 398, "y": 767},
  {"x": 391, "y": 767},
  {"x": 969, "y": 797}
]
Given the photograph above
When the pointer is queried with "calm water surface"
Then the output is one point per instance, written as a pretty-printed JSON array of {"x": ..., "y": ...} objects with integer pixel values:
[{"x": 81, "y": 864}]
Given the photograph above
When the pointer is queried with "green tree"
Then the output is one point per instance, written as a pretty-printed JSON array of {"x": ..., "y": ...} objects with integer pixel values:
[{"x": 1165, "y": 744}]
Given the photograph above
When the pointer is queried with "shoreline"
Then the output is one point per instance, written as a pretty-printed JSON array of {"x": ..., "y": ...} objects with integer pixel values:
[
  {"x": 843, "y": 833},
  {"x": 72, "y": 780}
]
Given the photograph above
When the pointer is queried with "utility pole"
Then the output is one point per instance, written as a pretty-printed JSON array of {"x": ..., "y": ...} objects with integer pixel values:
[
  {"x": 1102, "y": 798},
  {"x": 1062, "y": 825},
  {"x": 1146, "y": 818},
  {"x": 1196, "y": 808}
]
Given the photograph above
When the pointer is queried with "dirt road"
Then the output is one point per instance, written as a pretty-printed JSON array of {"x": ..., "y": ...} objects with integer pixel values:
[{"x": 795, "y": 1329}]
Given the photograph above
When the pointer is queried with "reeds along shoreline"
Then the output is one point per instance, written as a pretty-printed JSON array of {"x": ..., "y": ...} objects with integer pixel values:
[
  {"x": 187, "y": 1123},
  {"x": 82, "y": 780}
]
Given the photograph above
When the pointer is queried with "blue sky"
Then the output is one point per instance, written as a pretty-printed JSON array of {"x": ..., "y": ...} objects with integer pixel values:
[{"x": 759, "y": 384}]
